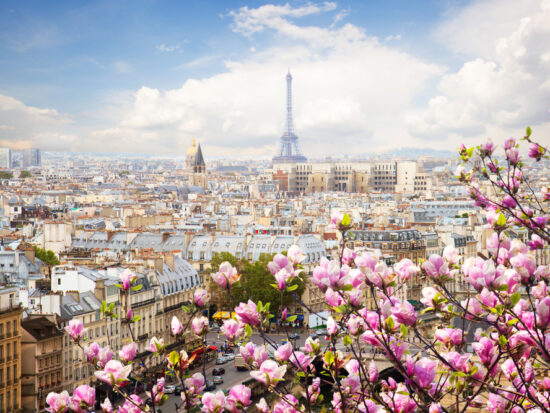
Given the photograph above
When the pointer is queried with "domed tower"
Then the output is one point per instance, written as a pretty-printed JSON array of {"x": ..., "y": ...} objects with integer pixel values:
[{"x": 194, "y": 161}]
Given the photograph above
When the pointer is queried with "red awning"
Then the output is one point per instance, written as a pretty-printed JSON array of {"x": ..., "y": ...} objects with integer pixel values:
[
  {"x": 213, "y": 348},
  {"x": 200, "y": 350}
]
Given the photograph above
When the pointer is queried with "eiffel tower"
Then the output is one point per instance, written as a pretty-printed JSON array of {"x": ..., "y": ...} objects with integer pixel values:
[{"x": 289, "y": 152}]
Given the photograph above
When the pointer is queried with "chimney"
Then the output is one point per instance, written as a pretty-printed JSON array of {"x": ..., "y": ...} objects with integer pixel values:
[
  {"x": 99, "y": 290},
  {"x": 110, "y": 235},
  {"x": 169, "y": 260},
  {"x": 165, "y": 236},
  {"x": 159, "y": 264},
  {"x": 75, "y": 295},
  {"x": 29, "y": 253}
]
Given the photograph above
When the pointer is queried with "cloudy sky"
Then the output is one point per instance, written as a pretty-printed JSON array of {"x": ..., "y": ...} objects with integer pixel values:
[{"x": 147, "y": 76}]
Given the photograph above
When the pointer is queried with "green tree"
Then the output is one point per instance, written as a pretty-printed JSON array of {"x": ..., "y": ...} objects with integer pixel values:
[
  {"x": 6, "y": 175},
  {"x": 25, "y": 174},
  {"x": 220, "y": 257},
  {"x": 256, "y": 285},
  {"x": 46, "y": 256}
]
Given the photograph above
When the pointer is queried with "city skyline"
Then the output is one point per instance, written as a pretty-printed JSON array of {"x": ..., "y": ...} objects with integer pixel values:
[{"x": 149, "y": 78}]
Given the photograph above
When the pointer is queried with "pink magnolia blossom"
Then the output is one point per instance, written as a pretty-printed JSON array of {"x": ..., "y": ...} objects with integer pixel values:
[
  {"x": 449, "y": 336},
  {"x": 201, "y": 297},
  {"x": 133, "y": 406},
  {"x": 247, "y": 313},
  {"x": 435, "y": 408},
  {"x": 509, "y": 143},
  {"x": 91, "y": 352},
  {"x": 536, "y": 242},
  {"x": 311, "y": 346},
  {"x": 451, "y": 254},
  {"x": 348, "y": 256},
  {"x": 106, "y": 406},
  {"x": 401, "y": 401},
  {"x": 422, "y": 371},
  {"x": 158, "y": 391},
  {"x": 262, "y": 406},
  {"x": 435, "y": 267},
  {"x": 280, "y": 262},
  {"x": 283, "y": 352},
  {"x": 543, "y": 312},
  {"x": 176, "y": 326},
  {"x": 405, "y": 269},
  {"x": 282, "y": 278},
  {"x": 512, "y": 155},
  {"x": 232, "y": 329},
  {"x": 75, "y": 329},
  {"x": 195, "y": 384},
  {"x": 332, "y": 327},
  {"x": 155, "y": 344},
  {"x": 336, "y": 218},
  {"x": 104, "y": 355},
  {"x": 496, "y": 403},
  {"x": 288, "y": 404},
  {"x": 247, "y": 351},
  {"x": 365, "y": 261},
  {"x": 260, "y": 355},
  {"x": 128, "y": 352},
  {"x": 373, "y": 372},
  {"x": 352, "y": 366},
  {"x": 226, "y": 276},
  {"x": 300, "y": 360},
  {"x": 128, "y": 278},
  {"x": 114, "y": 373},
  {"x": 58, "y": 402},
  {"x": 536, "y": 151},
  {"x": 295, "y": 254},
  {"x": 524, "y": 265},
  {"x": 238, "y": 398},
  {"x": 456, "y": 360},
  {"x": 269, "y": 372},
  {"x": 356, "y": 325},
  {"x": 404, "y": 313},
  {"x": 428, "y": 295},
  {"x": 333, "y": 297},
  {"x": 200, "y": 325},
  {"x": 213, "y": 402}
]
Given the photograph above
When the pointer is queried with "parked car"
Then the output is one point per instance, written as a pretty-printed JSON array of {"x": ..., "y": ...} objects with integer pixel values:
[
  {"x": 210, "y": 385},
  {"x": 169, "y": 389},
  {"x": 218, "y": 371},
  {"x": 149, "y": 402},
  {"x": 229, "y": 356},
  {"x": 322, "y": 332},
  {"x": 294, "y": 336},
  {"x": 314, "y": 336},
  {"x": 240, "y": 363},
  {"x": 178, "y": 390},
  {"x": 218, "y": 379},
  {"x": 221, "y": 360}
]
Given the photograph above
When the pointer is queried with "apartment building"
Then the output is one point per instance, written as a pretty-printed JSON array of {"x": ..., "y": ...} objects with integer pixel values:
[
  {"x": 10, "y": 350},
  {"x": 42, "y": 361}
]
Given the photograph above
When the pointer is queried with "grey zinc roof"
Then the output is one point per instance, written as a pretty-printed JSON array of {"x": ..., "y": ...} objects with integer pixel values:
[
  {"x": 259, "y": 244},
  {"x": 281, "y": 243},
  {"x": 312, "y": 247},
  {"x": 175, "y": 242},
  {"x": 182, "y": 278},
  {"x": 200, "y": 248},
  {"x": 235, "y": 245},
  {"x": 147, "y": 240}
]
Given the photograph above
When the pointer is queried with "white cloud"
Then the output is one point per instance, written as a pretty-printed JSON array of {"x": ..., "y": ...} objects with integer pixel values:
[
  {"x": 392, "y": 37},
  {"x": 347, "y": 87},
  {"x": 123, "y": 67},
  {"x": 23, "y": 126},
  {"x": 165, "y": 48},
  {"x": 508, "y": 88}
]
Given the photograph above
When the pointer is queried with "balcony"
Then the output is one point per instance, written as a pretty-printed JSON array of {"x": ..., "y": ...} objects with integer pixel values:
[
  {"x": 8, "y": 334},
  {"x": 143, "y": 337}
]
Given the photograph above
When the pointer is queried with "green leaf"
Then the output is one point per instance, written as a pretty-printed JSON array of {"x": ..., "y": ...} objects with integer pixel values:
[
  {"x": 390, "y": 323},
  {"x": 528, "y": 131},
  {"x": 266, "y": 307},
  {"x": 174, "y": 357},
  {"x": 346, "y": 220},
  {"x": 512, "y": 322},
  {"x": 292, "y": 318},
  {"x": 248, "y": 330},
  {"x": 136, "y": 318},
  {"x": 274, "y": 286},
  {"x": 103, "y": 306},
  {"x": 119, "y": 286},
  {"x": 514, "y": 298},
  {"x": 347, "y": 287},
  {"x": 259, "y": 307},
  {"x": 502, "y": 340},
  {"x": 292, "y": 287},
  {"x": 404, "y": 330},
  {"x": 329, "y": 357},
  {"x": 503, "y": 287},
  {"x": 501, "y": 220},
  {"x": 347, "y": 340},
  {"x": 137, "y": 287}
]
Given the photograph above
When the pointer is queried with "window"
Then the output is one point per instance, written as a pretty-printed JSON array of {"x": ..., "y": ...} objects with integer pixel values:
[{"x": 59, "y": 281}]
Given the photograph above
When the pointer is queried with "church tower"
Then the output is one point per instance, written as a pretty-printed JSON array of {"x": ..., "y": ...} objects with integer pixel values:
[{"x": 194, "y": 161}]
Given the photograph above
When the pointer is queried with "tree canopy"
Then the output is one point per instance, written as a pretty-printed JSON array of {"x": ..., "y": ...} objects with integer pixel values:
[
  {"x": 46, "y": 256},
  {"x": 25, "y": 174}
]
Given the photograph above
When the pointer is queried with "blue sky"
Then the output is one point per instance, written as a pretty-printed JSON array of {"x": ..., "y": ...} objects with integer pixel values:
[{"x": 147, "y": 76}]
